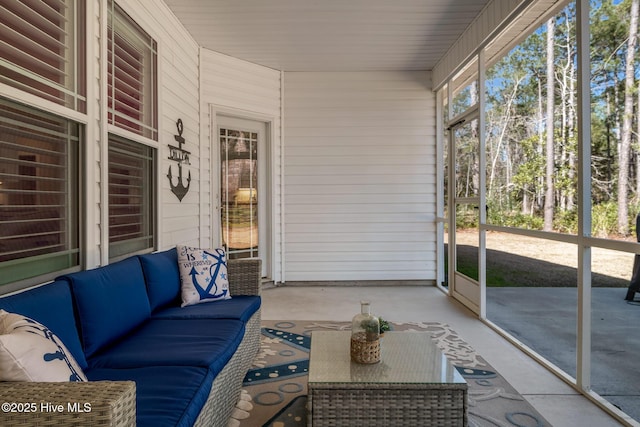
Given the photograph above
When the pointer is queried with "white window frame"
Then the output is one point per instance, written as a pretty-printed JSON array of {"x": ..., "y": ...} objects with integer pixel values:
[
  {"x": 73, "y": 202},
  {"x": 72, "y": 92},
  {"x": 121, "y": 24},
  {"x": 147, "y": 194}
]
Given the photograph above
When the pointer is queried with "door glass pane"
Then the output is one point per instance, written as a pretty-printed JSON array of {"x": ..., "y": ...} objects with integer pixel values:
[
  {"x": 467, "y": 222},
  {"x": 467, "y": 160},
  {"x": 239, "y": 192}
]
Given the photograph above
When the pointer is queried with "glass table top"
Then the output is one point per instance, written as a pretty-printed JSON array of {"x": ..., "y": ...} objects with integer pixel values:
[{"x": 407, "y": 358}]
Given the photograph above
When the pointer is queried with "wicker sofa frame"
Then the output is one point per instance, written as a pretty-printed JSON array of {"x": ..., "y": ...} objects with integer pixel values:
[{"x": 113, "y": 403}]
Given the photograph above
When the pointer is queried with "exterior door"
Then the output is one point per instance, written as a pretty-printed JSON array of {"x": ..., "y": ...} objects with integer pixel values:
[
  {"x": 243, "y": 190},
  {"x": 464, "y": 199}
]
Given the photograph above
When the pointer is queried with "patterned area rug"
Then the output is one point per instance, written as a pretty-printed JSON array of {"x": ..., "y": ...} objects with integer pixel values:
[{"x": 275, "y": 389}]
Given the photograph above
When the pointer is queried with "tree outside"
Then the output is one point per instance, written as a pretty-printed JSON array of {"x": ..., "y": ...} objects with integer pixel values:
[{"x": 531, "y": 127}]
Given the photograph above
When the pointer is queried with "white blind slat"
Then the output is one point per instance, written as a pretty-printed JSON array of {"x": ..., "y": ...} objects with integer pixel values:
[
  {"x": 42, "y": 49},
  {"x": 131, "y": 182},
  {"x": 131, "y": 75},
  {"x": 39, "y": 192},
  {"x": 36, "y": 60}
]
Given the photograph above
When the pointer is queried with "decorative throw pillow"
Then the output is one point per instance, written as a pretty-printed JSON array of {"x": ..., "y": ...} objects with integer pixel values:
[
  {"x": 29, "y": 351},
  {"x": 203, "y": 275}
]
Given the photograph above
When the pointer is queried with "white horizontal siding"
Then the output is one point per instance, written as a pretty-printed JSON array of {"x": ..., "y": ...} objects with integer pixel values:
[
  {"x": 244, "y": 90},
  {"x": 178, "y": 94},
  {"x": 178, "y": 97},
  {"x": 359, "y": 176}
]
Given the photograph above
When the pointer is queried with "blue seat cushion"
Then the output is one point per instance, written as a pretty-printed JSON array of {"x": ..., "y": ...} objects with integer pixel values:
[
  {"x": 162, "y": 277},
  {"x": 240, "y": 307},
  {"x": 165, "y": 395},
  {"x": 110, "y": 301},
  {"x": 196, "y": 342},
  {"x": 51, "y": 305}
]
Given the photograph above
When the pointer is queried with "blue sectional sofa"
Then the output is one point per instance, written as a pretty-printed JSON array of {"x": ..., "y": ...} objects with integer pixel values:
[{"x": 123, "y": 323}]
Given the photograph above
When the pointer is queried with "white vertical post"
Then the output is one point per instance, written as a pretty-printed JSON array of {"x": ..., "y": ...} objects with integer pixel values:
[
  {"x": 282, "y": 184},
  {"x": 451, "y": 270},
  {"x": 93, "y": 130},
  {"x": 439, "y": 187},
  {"x": 104, "y": 136},
  {"x": 482, "y": 243},
  {"x": 583, "y": 371},
  {"x": 206, "y": 206}
]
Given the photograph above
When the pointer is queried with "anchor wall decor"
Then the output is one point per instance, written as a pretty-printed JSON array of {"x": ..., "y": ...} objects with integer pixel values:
[{"x": 181, "y": 156}]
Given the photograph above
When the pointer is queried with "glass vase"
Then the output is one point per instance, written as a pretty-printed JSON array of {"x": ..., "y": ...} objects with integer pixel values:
[{"x": 365, "y": 336}]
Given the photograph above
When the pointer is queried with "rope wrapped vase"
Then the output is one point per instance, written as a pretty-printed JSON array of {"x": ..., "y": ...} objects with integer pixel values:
[{"x": 365, "y": 336}]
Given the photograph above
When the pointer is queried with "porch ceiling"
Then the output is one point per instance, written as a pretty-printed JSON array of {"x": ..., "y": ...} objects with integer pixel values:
[{"x": 329, "y": 35}]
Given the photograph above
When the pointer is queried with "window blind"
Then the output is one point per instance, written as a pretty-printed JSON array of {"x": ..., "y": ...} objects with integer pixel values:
[
  {"x": 131, "y": 195},
  {"x": 131, "y": 83},
  {"x": 39, "y": 223},
  {"x": 42, "y": 49}
]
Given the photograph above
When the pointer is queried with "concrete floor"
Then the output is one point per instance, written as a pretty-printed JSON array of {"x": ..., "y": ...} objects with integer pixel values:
[
  {"x": 559, "y": 403},
  {"x": 545, "y": 319}
]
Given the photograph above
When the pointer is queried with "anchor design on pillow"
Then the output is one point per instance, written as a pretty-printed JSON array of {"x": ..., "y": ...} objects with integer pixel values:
[
  {"x": 38, "y": 329},
  {"x": 205, "y": 292}
]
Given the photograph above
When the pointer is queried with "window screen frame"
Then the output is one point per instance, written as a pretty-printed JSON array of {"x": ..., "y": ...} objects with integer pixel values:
[
  {"x": 122, "y": 157},
  {"x": 132, "y": 75},
  {"x": 43, "y": 50},
  {"x": 38, "y": 190}
]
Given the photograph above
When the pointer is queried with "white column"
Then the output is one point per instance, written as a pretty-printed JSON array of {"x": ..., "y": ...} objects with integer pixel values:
[
  {"x": 583, "y": 371},
  {"x": 482, "y": 244}
]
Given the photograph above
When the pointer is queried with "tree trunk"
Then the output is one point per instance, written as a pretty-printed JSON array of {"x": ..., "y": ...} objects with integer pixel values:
[
  {"x": 571, "y": 126},
  {"x": 475, "y": 132},
  {"x": 627, "y": 116},
  {"x": 638, "y": 145},
  {"x": 539, "y": 188},
  {"x": 549, "y": 194}
]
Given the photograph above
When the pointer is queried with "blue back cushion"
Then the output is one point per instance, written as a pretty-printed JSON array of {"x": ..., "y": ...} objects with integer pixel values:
[
  {"x": 163, "y": 278},
  {"x": 52, "y": 306},
  {"x": 111, "y": 301}
]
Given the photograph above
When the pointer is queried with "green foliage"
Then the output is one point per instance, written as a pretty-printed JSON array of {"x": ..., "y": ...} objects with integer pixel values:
[
  {"x": 466, "y": 217},
  {"x": 384, "y": 325},
  {"x": 566, "y": 221},
  {"x": 604, "y": 219},
  {"x": 517, "y": 126},
  {"x": 370, "y": 326},
  {"x": 515, "y": 219}
]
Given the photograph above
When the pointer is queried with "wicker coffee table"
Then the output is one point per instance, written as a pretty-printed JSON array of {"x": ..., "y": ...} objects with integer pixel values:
[{"x": 413, "y": 385}]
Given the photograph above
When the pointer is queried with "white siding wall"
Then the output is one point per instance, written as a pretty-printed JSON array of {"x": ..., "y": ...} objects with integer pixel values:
[
  {"x": 178, "y": 95},
  {"x": 190, "y": 80},
  {"x": 360, "y": 169},
  {"x": 239, "y": 88}
]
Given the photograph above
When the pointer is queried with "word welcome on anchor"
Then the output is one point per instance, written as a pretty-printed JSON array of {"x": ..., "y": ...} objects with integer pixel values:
[{"x": 180, "y": 155}]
